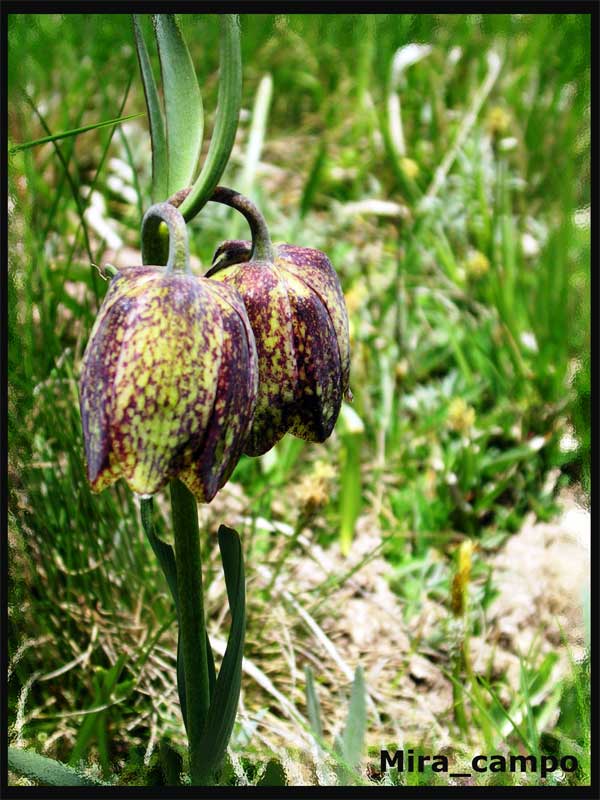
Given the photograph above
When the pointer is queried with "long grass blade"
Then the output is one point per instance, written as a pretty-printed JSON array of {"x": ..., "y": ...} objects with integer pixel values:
[
  {"x": 256, "y": 138},
  {"x": 74, "y": 190},
  {"x": 92, "y": 187},
  {"x": 74, "y": 132},
  {"x": 494, "y": 66},
  {"x": 260, "y": 115},
  {"x": 312, "y": 704}
]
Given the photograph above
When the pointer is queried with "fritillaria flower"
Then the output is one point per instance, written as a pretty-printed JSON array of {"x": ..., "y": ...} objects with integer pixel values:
[
  {"x": 297, "y": 312},
  {"x": 169, "y": 379}
]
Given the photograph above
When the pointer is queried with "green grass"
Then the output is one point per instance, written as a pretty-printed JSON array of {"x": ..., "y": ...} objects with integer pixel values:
[{"x": 470, "y": 322}]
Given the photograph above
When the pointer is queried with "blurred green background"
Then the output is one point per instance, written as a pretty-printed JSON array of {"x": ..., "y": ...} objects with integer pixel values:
[{"x": 442, "y": 162}]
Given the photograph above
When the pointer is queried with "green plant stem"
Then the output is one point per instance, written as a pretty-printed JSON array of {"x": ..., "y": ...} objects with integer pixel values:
[{"x": 192, "y": 626}]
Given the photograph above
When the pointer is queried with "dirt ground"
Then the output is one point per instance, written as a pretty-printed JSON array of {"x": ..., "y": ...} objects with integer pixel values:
[{"x": 542, "y": 578}]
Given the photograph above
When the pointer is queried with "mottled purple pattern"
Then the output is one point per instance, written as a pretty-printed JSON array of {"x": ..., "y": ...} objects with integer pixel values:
[
  {"x": 99, "y": 366},
  {"x": 319, "y": 388},
  {"x": 306, "y": 397},
  {"x": 185, "y": 300},
  {"x": 156, "y": 386},
  {"x": 267, "y": 304},
  {"x": 235, "y": 401},
  {"x": 316, "y": 270}
]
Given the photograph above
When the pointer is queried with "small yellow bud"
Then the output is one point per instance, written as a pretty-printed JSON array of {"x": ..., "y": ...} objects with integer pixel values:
[
  {"x": 461, "y": 416},
  {"x": 314, "y": 490},
  {"x": 477, "y": 265},
  {"x": 409, "y": 167},
  {"x": 498, "y": 120},
  {"x": 401, "y": 369},
  {"x": 460, "y": 582}
]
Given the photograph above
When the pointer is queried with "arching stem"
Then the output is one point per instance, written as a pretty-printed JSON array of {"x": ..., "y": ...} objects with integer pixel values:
[
  {"x": 152, "y": 241},
  {"x": 262, "y": 247}
]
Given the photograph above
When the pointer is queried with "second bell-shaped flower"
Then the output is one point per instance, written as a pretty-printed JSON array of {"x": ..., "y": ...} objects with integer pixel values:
[{"x": 297, "y": 311}]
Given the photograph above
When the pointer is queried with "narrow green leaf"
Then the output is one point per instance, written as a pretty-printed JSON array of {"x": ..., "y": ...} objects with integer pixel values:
[
  {"x": 489, "y": 495},
  {"x": 356, "y": 725},
  {"x": 163, "y": 551},
  {"x": 225, "y": 697},
  {"x": 497, "y": 708},
  {"x": 74, "y": 132},
  {"x": 111, "y": 687},
  {"x": 58, "y": 189},
  {"x": 350, "y": 489},
  {"x": 46, "y": 771},
  {"x": 160, "y": 163},
  {"x": 532, "y": 730},
  {"x": 544, "y": 673},
  {"x": 350, "y": 744},
  {"x": 494, "y": 462},
  {"x": 228, "y": 110},
  {"x": 183, "y": 102},
  {"x": 105, "y": 682},
  {"x": 233, "y": 567},
  {"x": 212, "y": 673},
  {"x": 102, "y": 742},
  {"x": 338, "y": 749},
  {"x": 312, "y": 704},
  {"x": 256, "y": 138}
]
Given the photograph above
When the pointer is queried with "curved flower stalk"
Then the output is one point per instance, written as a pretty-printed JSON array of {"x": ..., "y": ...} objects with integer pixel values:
[
  {"x": 297, "y": 311},
  {"x": 169, "y": 379}
]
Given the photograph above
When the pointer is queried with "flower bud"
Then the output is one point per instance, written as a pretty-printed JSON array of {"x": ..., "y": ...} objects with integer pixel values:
[
  {"x": 297, "y": 312},
  {"x": 168, "y": 383}
]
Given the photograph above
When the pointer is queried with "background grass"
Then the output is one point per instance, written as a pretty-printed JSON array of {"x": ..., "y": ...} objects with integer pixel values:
[{"x": 468, "y": 293}]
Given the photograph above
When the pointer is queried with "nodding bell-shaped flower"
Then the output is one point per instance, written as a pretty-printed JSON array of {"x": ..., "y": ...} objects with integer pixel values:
[
  {"x": 297, "y": 312},
  {"x": 169, "y": 379}
]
